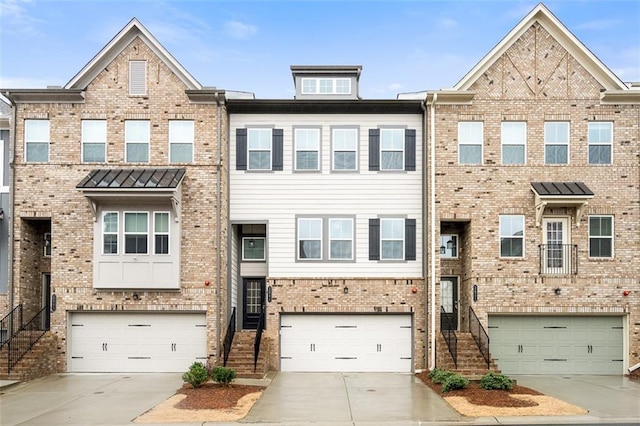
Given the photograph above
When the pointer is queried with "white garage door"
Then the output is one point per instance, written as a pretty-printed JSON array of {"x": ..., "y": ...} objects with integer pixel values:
[
  {"x": 136, "y": 342},
  {"x": 557, "y": 344},
  {"x": 371, "y": 343}
]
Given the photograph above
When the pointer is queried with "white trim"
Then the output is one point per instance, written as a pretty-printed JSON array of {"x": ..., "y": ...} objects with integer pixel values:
[
  {"x": 382, "y": 239},
  {"x": 318, "y": 141},
  {"x": 351, "y": 239},
  {"x": 519, "y": 143},
  {"x": 27, "y": 142},
  {"x": 117, "y": 233},
  {"x": 298, "y": 239},
  {"x": 264, "y": 249},
  {"x": 402, "y": 149},
  {"x": 83, "y": 141},
  {"x": 479, "y": 142},
  {"x": 255, "y": 129},
  {"x": 609, "y": 144},
  {"x": 191, "y": 141},
  {"x": 125, "y": 233},
  {"x": 567, "y": 143},
  {"x": 351, "y": 131},
  {"x": 612, "y": 236},
  {"x": 127, "y": 141},
  {"x": 500, "y": 236},
  {"x": 167, "y": 233}
]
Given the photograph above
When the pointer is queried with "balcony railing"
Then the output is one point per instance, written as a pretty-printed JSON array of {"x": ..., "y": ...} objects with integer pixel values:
[{"x": 558, "y": 259}]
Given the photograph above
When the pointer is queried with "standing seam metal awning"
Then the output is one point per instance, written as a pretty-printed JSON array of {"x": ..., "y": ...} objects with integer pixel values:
[
  {"x": 573, "y": 194},
  {"x": 104, "y": 184}
]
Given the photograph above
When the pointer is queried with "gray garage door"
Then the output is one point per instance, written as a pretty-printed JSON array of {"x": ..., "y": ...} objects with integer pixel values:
[{"x": 557, "y": 344}]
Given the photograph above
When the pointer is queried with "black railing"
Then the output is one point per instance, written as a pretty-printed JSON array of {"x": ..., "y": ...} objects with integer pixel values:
[
  {"x": 479, "y": 335},
  {"x": 27, "y": 336},
  {"x": 447, "y": 329},
  {"x": 258, "y": 340},
  {"x": 558, "y": 259},
  {"x": 10, "y": 324},
  {"x": 228, "y": 338}
]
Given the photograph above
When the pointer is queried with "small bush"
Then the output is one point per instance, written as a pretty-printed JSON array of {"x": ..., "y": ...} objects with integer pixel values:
[
  {"x": 196, "y": 375},
  {"x": 493, "y": 380},
  {"x": 439, "y": 376},
  {"x": 223, "y": 375},
  {"x": 453, "y": 382}
]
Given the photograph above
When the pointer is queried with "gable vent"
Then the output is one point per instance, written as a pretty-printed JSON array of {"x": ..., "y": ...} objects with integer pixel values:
[{"x": 137, "y": 77}]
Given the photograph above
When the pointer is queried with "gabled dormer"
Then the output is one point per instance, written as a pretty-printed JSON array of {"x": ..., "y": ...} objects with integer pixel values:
[{"x": 326, "y": 82}]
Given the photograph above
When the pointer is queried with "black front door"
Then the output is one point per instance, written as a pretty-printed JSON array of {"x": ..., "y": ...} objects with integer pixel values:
[
  {"x": 253, "y": 300},
  {"x": 46, "y": 301},
  {"x": 449, "y": 303}
]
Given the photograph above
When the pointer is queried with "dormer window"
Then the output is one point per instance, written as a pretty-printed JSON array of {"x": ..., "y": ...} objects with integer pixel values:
[{"x": 326, "y": 86}]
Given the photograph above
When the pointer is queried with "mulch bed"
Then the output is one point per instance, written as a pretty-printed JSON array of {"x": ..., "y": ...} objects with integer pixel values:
[
  {"x": 213, "y": 396},
  {"x": 478, "y": 396}
]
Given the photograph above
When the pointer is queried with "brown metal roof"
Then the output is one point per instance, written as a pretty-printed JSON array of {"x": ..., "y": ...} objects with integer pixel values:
[
  {"x": 561, "y": 189},
  {"x": 132, "y": 179}
]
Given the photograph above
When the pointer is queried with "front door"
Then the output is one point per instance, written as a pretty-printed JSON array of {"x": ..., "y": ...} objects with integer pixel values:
[
  {"x": 557, "y": 254},
  {"x": 449, "y": 303},
  {"x": 253, "y": 300},
  {"x": 46, "y": 301}
]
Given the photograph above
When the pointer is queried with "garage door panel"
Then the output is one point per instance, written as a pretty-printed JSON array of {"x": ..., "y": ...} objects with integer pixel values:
[
  {"x": 557, "y": 344},
  {"x": 345, "y": 343}
]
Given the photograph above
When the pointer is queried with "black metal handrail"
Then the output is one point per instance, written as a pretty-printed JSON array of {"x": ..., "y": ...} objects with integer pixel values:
[
  {"x": 228, "y": 337},
  {"x": 479, "y": 335},
  {"x": 558, "y": 259},
  {"x": 258, "y": 340},
  {"x": 449, "y": 334},
  {"x": 27, "y": 336},
  {"x": 10, "y": 324}
]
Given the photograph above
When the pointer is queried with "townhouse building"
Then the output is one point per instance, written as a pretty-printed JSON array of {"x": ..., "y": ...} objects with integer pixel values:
[
  {"x": 119, "y": 212},
  {"x": 535, "y": 206},
  {"x": 156, "y": 221}
]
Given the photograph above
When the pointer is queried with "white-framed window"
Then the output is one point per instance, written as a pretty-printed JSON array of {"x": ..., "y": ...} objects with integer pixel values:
[
  {"x": 137, "y": 78},
  {"x": 391, "y": 149},
  {"x": 345, "y": 149},
  {"x": 392, "y": 239},
  {"x": 137, "y": 134},
  {"x": 161, "y": 232},
  {"x": 307, "y": 149},
  {"x": 310, "y": 238},
  {"x": 259, "y": 149},
  {"x": 448, "y": 246},
  {"x": 94, "y": 141},
  {"x": 47, "y": 244},
  {"x": 36, "y": 138},
  {"x": 181, "y": 136},
  {"x": 512, "y": 236},
  {"x": 556, "y": 142},
  {"x": 514, "y": 142},
  {"x": 470, "y": 142},
  {"x": 326, "y": 86},
  {"x": 600, "y": 142},
  {"x": 253, "y": 249},
  {"x": 340, "y": 239},
  {"x": 601, "y": 236},
  {"x": 136, "y": 232},
  {"x": 110, "y": 232}
]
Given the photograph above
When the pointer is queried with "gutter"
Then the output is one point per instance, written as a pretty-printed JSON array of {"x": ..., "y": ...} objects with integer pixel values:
[
  {"x": 10, "y": 230},
  {"x": 432, "y": 207},
  {"x": 218, "y": 225},
  {"x": 425, "y": 232}
]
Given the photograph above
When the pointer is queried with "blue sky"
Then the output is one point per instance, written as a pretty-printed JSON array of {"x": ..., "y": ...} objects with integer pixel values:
[{"x": 403, "y": 46}]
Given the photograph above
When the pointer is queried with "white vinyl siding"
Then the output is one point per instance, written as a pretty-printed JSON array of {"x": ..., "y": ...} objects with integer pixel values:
[
  {"x": 137, "y": 134},
  {"x": 36, "y": 138},
  {"x": 470, "y": 142},
  {"x": 137, "y": 78},
  {"x": 181, "y": 135},
  {"x": 94, "y": 141},
  {"x": 283, "y": 197}
]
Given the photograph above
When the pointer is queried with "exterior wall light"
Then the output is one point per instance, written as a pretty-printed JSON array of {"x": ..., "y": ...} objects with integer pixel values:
[
  {"x": 557, "y": 291},
  {"x": 345, "y": 290}
]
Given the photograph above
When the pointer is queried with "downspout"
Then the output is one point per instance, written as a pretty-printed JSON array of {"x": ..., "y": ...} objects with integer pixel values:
[
  {"x": 425, "y": 231},
  {"x": 432, "y": 212},
  {"x": 10, "y": 230},
  {"x": 218, "y": 227}
]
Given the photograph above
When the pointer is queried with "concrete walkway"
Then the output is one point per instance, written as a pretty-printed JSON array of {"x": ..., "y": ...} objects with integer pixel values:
[{"x": 317, "y": 399}]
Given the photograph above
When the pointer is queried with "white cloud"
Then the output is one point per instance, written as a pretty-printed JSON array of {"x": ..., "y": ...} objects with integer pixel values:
[
  {"x": 15, "y": 15},
  {"x": 237, "y": 29}
]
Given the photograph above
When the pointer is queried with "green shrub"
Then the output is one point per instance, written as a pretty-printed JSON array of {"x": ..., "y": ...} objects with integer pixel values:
[
  {"x": 493, "y": 380},
  {"x": 439, "y": 376},
  {"x": 223, "y": 375},
  {"x": 453, "y": 382},
  {"x": 196, "y": 375}
]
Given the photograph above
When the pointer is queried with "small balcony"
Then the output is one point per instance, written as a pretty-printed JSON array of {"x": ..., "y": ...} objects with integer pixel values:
[{"x": 558, "y": 259}]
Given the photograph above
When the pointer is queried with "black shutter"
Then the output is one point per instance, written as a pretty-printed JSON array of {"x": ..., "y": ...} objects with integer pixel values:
[
  {"x": 409, "y": 239},
  {"x": 241, "y": 149},
  {"x": 374, "y": 149},
  {"x": 278, "y": 148},
  {"x": 374, "y": 239},
  {"x": 410, "y": 150}
]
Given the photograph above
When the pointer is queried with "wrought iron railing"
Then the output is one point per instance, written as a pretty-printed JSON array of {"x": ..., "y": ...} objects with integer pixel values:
[
  {"x": 27, "y": 336},
  {"x": 447, "y": 329},
  {"x": 558, "y": 259},
  {"x": 228, "y": 338},
  {"x": 10, "y": 324},
  {"x": 258, "y": 340},
  {"x": 479, "y": 335}
]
